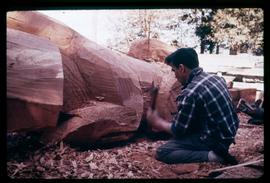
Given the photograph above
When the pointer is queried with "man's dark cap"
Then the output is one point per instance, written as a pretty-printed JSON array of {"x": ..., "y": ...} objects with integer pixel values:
[{"x": 185, "y": 56}]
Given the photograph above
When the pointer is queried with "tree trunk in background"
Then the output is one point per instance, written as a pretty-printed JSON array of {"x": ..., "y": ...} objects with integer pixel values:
[
  {"x": 217, "y": 48},
  {"x": 211, "y": 47},
  {"x": 34, "y": 82},
  {"x": 244, "y": 48},
  {"x": 234, "y": 49},
  {"x": 108, "y": 92},
  {"x": 202, "y": 47}
]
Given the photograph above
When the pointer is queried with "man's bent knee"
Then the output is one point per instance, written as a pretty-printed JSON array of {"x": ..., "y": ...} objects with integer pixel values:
[{"x": 162, "y": 154}]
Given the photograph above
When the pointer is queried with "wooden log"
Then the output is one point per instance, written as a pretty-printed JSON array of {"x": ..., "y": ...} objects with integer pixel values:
[
  {"x": 150, "y": 50},
  {"x": 249, "y": 94},
  {"x": 34, "y": 82},
  {"x": 235, "y": 95},
  {"x": 97, "y": 74},
  {"x": 86, "y": 127},
  {"x": 169, "y": 89}
]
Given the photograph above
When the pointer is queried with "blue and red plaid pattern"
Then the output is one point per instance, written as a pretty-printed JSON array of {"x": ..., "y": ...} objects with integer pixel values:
[{"x": 205, "y": 106}]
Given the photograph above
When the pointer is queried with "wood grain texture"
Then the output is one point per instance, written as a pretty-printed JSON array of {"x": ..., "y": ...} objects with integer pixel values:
[
  {"x": 34, "y": 81},
  {"x": 248, "y": 94},
  {"x": 97, "y": 74},
  {"x": 94, "y": 122}
]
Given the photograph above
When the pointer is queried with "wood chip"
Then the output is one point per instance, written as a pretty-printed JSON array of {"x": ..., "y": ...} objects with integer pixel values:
[
  {"x": 130, "y": 174},
  {"x": 185, "y": 168},
  {"x": 61, "y": 146},
  {"x": 85, "y": 175},
  {"x": 41, "y": 169},
  {"x": 93, "y": 166},
  {"x": 74, "y": 164},
  {"x": 99, "y": 98},
  {"x": 89, "y": 158},
  {"x": 112, "y": 161}
]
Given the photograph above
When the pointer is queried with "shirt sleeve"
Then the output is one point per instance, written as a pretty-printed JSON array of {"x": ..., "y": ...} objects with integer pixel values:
[{"x": 185, "y": 115}]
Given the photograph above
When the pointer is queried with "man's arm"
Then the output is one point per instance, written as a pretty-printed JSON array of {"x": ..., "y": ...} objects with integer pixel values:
[
  {"x": 157, "y": 123},
  {"x": 182, "y": 122}
]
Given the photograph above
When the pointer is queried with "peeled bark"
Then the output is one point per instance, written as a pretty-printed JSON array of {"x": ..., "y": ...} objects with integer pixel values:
[
  {"x": 34, "y": 82},
  {"x": 110, "y": 92}
]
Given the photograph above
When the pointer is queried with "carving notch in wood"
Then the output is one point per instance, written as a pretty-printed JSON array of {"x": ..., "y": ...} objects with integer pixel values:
[{"x": 94, "y": 75}]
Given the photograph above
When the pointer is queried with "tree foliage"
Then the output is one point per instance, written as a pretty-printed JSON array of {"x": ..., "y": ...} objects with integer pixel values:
[
  {"x": 165, "y": 25},
  {"x": 240, "y": 29}
]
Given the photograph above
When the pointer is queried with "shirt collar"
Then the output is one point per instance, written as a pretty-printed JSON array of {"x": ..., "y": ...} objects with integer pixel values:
[{"x": 192, "y": 74}]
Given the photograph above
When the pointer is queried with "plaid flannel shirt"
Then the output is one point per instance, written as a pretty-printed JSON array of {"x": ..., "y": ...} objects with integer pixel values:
[{"x": 205, "y": 107}]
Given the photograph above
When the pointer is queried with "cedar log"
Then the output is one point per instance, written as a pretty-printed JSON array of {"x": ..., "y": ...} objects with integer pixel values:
[
  {"x": 150, "y": 50},
  {"x": 108, "y": 91},
  {"x": 34, "y": 82}
]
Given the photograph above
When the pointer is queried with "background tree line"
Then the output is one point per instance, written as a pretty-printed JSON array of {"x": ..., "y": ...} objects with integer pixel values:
[{"x": 240, "y": 30}]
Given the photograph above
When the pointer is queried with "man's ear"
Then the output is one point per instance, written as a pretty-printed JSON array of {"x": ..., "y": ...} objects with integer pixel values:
[{"x": 181, "y": 68}]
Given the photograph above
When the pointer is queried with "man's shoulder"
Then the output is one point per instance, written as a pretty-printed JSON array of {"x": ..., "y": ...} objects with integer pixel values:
[
  {"x": 190, "y": 91},
  {"x": 199, "y": 81},
  {"x": 204, "y": 79},
  {"x": 201, "y": 84}
]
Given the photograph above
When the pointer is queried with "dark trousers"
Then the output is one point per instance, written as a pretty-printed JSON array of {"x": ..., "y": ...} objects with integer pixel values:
[{"x": 188, "y": 149}]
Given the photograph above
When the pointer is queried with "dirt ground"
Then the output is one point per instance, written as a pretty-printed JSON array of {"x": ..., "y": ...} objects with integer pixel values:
[{"x": 26, "y": 158}]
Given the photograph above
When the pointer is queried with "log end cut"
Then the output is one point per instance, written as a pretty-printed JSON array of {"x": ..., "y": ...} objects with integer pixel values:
[{"x": 34, "y": 82}]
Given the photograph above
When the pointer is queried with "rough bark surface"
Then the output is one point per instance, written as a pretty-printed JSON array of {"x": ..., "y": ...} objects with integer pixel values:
[
  {"x": 34, "y": 82},
  {"x": 101, "y": 83}
]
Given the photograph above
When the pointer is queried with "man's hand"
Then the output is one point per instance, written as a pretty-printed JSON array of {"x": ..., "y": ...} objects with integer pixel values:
[
  {"x": 156, "y": 122},
  {"x": 153, "y": 119}
]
